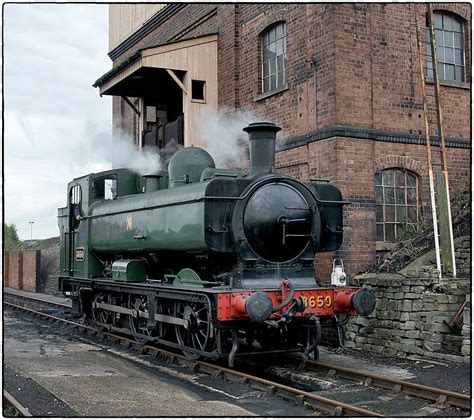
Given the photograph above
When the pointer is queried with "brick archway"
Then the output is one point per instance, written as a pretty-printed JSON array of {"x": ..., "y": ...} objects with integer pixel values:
[
  {"x": 399, "y": 161},
  {"x": 453, "y": 8},
  {"x": 269, "y": 20}
]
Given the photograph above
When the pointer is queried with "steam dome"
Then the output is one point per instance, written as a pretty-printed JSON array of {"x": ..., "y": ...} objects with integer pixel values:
[{"x": 187, "y": 164}]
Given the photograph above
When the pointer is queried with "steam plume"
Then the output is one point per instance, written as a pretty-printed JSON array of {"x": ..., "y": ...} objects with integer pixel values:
[
  {"x": 222, "y": 136},
  {"x": 127, "y": 155},
  {"x": 100, "y": 153}
]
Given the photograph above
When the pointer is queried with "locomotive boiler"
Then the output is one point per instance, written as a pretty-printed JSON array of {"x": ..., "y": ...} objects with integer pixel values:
[{"x": 213, "y": 262}]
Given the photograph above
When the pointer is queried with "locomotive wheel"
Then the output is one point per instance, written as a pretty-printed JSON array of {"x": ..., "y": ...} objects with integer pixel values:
[
  {"x": 137, "y": 324},
  {"x": 198, "y": 332},
  {"x": 98, "y": 314}
]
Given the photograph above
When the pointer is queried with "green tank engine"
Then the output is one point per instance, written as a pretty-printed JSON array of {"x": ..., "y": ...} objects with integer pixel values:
[{"x": 193, "y": 235}]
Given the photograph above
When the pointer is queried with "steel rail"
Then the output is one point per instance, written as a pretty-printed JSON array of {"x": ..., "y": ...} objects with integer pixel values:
[
  {"x": 36, "y": 299},
  {"x": 440, "y": 396},
  {"x": 18, "y": 407},
  {"x": 317, "y": 402}
]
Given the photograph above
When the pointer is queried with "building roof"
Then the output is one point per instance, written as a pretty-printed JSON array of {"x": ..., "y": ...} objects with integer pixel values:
[{"x": 138, "y": 54}]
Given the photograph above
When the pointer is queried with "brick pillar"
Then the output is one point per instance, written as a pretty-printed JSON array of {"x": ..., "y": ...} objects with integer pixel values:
[
  {"x": 15, "y": 270},
  {"x": 32, "y": 271},
  {"x": 6, "y": 269},
  {"x": 20, "y": 271}
]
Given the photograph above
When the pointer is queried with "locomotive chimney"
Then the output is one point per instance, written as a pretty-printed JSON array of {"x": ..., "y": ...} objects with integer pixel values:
[{"x": 262, "y": 147}]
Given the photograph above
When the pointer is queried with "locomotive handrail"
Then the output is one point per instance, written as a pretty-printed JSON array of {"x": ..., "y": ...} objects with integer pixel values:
[
  {"x": 217, "y": 197},
  {"x": 262, "y": 181}
]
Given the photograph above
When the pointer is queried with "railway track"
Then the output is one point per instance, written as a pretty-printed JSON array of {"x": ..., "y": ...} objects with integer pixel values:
[
  {"x": 396, "y": 386},
  {"x": 37, "y": 301},
  {"x": 442, "y": 398},
  {"x": 16, "y": 405}
]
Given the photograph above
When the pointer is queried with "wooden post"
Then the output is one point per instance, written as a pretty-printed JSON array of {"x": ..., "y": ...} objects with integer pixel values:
[
  {"x": 141, "y": 121},
  {"x": 428, "y": 149},
  {"x": 445, "y": 225},
  {"x": 448, "y": 260}
]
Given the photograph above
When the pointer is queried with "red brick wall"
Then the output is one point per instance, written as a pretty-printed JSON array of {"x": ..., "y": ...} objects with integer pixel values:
[
  {"x": 6, "y": 269},
  {"x": 22, "y": 270},
  {"x": 15, "y": 270},
  {"x": 377, "y": 72},
  {"x": 291, "y": 109},
  {"x": 31, "y": 271}
]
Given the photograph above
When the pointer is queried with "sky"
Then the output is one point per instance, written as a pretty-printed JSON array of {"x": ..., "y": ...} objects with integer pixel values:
[{"x": 53, "y": 118}]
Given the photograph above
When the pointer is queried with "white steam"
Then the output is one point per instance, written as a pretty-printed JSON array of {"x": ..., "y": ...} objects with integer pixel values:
[
  {"x": 99, "y": 152},
  {"x": 219, "y": 133},
  {"x": 127, "y": 155},
  {"x": 222, "y": 137}
]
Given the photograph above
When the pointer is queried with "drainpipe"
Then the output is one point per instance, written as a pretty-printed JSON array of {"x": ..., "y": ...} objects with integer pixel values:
[{"x": 314, "y": 65}]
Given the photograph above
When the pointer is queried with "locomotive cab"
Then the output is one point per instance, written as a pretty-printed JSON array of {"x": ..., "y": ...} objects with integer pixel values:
[{"x": 76, "y": 257}]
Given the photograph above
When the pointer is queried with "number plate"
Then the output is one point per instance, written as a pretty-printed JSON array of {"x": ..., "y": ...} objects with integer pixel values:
[
  {"x": 80, "y": 254},
  {"x": 317, "y": 303}
]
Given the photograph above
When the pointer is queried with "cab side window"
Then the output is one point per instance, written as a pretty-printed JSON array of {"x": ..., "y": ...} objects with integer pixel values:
[
  {"x": 75, "y": 200},
  {"x": 110, "y": 189},
  {"x": 104, "y": 188}
]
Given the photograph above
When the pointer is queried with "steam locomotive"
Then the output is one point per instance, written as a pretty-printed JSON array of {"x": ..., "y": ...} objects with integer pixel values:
[{"x": 213, "y": 262}]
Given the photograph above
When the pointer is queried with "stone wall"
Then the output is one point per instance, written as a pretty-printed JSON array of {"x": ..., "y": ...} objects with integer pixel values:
[
  {"x": 466, "y": 328},
  {"x": 462, "y": 248},
  {"x": 411, "y": 315},
  {"x": 50, "y": 269}
]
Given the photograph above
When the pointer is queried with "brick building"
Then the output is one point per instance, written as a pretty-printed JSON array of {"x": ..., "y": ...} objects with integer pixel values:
[{"x": 342, "y": 80}]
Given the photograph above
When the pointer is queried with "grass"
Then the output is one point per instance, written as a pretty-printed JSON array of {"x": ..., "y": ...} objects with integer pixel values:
[{"x": 9, "y": 410}]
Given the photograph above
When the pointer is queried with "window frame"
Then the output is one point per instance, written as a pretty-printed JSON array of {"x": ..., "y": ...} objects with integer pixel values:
[
  {"x": 75, "y": 202},
  {"x": 99, "y": 187},
  {"x": 194, "y": 83},
  {"x": 386, "y": 217},
  {"x": 442, "y": 48},
  {"x": 266, "y": 41}
]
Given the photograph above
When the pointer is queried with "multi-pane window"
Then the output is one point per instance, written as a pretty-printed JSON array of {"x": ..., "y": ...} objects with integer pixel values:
[
  {"x": 396, "y": 200},
  {"x": 274, "y": 57},
  {"x": 449, "y": 35}
]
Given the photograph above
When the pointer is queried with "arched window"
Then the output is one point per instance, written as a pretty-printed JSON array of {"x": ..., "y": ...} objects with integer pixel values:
[
  {"x": 396, "y": 201},
  {"x": 449, "y": 34},
  {"x": 274, "y": 57}
]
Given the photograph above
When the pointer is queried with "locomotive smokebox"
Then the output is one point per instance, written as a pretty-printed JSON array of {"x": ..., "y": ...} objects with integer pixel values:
[{"x": 262, "y": 137}]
